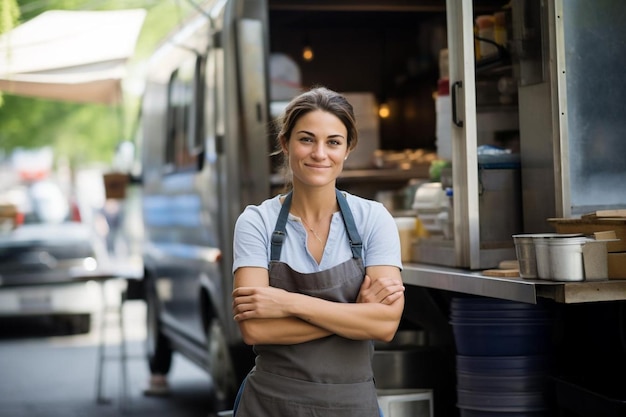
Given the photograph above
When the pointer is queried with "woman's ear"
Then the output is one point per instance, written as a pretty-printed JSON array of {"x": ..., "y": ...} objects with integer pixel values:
[{"x": 284, "y": 145}]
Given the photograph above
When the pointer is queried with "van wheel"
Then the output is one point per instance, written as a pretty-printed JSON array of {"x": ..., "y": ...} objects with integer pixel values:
[
  {"x": 221, "y": 364},
  {"x": 158, "y": 346}
]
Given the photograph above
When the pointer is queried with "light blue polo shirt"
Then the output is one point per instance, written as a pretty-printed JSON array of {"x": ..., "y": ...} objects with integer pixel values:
[{"x": 378, "y": 230}]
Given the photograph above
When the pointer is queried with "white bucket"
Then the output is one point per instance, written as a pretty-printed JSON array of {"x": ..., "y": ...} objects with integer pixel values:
[
  {"x": 540, "y": 241},
  {"x": 566, "y": 258}
]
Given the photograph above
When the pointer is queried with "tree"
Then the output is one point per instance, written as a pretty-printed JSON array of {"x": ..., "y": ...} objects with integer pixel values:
[
  {"x": 9, "y": 15},
  {"x": 81, "y": 133}
]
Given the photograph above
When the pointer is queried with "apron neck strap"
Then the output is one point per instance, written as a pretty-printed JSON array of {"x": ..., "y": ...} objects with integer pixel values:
[
  {"x": 279, "y": 234},
  {"x": 355, "y": 239}
]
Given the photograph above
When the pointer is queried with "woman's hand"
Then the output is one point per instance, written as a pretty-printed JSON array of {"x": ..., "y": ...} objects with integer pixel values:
[
  {"x": 259, "y": 303},
  {"x": 382, "y": 290}
]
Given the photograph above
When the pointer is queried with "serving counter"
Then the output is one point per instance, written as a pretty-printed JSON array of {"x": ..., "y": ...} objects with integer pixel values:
[{"x": 508, "y": 288}]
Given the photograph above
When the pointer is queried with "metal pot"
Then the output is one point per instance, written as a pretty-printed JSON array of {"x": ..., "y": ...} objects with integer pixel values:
[
  {"x": 403, "y": 339},
  {"x": 409, "y": 367}
]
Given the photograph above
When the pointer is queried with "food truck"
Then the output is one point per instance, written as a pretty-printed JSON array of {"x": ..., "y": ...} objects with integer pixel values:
[{"x": 501, "y": 119}]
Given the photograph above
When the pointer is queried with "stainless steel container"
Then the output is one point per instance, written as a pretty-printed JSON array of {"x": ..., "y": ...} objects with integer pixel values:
[
  {"x": 408, "y": 366},
  {"x": 526, "y": 256}
]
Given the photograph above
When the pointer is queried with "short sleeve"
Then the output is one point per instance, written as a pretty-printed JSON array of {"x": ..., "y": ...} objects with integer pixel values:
[
  {"x": 250, "y": 240},
  {"x": 382, "y": 243}
]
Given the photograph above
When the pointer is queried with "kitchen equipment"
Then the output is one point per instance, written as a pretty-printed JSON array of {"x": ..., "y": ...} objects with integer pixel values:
[
  {"x": 525, "y": 251},
  {"x": 403, "y": 339},
  {"x": 500, "y": 213},
  {"x": 565, "y": 259},
  {"x": 503, "y": 351},
  {"x": 406, "y": 230},
  {"x": 406, "y": 402},
  {"x": 542, "y": 254},
  {"x": 570, "y": 257},
  {"x": 429, "y": 202},
  {"x": 491, "y": 327},
  {"x": 411, "y": 366}
]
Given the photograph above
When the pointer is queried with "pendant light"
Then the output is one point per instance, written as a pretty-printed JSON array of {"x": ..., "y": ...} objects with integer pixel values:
[
  {"x": 383, "y": 108},
  {"x": 307, "y": 50}
]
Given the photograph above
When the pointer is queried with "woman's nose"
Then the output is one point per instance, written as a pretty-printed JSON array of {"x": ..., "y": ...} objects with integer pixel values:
[{"x": 319, "y": 150}]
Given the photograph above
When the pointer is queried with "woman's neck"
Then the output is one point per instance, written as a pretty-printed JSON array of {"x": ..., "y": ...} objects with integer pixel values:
[{"x": 314, "y": 203}]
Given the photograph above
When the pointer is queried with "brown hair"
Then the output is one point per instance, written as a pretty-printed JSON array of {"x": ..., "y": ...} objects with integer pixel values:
[{"x": 317, "y": 98}]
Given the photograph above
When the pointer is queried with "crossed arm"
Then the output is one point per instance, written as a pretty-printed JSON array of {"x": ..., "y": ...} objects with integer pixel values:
[{"x": 268, "y": 315}]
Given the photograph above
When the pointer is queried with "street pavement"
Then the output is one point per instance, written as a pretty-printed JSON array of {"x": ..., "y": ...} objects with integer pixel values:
[{"x": 47, "y": 374}]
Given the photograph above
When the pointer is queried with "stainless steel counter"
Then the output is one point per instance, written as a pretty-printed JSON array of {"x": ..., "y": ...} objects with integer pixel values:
[{"x": 515, "y": 289}]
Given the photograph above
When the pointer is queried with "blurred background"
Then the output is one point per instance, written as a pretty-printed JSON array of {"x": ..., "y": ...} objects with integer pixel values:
[
  {"x": 55, "y": 152},
  {"x": 72, "y": 141}
]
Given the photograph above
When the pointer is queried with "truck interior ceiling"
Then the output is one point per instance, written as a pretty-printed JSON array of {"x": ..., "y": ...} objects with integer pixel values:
[
  {"x": 395, "y": 59},
  {"x": 390, "y": 49}
]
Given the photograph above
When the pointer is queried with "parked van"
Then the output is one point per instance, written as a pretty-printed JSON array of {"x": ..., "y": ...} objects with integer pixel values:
[{"x": 204, "y": 136}]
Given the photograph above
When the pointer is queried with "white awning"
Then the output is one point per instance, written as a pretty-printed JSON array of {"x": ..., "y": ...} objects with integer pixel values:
[{"x": 77, "y": 56}]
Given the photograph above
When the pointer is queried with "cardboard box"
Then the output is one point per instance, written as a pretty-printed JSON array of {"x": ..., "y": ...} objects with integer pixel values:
[
  {"x": 115, "y": 185},
  {"x": 8, "y": 214},
  {"x": 7, "y": 210},
  {"x": 616, "y": 263},
  {"x": 595, "y": 261},
  {"x": 589, "y": 226}
]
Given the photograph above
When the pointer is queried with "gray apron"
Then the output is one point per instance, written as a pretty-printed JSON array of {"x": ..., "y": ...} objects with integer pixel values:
[{"x": 329, "y": 377}]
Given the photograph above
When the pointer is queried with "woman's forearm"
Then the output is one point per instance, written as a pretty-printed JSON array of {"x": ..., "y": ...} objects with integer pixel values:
[
  {"x": 359, "y": 321},
  {"x": 271, "y": 315},
  {"x": 280, "y": 331}
]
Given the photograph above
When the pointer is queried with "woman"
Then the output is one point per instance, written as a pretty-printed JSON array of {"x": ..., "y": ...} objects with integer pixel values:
[{"x": 317, "y": 276}]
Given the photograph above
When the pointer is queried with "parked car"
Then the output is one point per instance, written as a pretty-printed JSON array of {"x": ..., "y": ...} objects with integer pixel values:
[{"x": 43, "y": 247}]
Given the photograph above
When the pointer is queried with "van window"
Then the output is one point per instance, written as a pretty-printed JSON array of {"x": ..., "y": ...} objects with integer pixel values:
[{"x": 184, "y": 111}]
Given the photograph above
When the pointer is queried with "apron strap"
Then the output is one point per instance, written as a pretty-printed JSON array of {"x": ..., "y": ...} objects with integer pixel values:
[
  {"x": 278, "y": 236},
  {"x": 355, "y": 239}
]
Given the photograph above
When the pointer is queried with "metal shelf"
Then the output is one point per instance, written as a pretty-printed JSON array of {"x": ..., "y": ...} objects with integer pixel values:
[{"x": 515, "y": 289}]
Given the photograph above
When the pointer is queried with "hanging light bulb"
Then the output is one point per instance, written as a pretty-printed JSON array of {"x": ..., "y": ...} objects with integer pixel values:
[
  {"x": 307, "y": 53},
  {"x": 307, "y": 50},
  {"x": 384, "y": 111}
]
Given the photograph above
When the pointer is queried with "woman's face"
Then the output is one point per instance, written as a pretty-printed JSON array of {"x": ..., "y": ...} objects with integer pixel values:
[{"x": 317, "y": 148}]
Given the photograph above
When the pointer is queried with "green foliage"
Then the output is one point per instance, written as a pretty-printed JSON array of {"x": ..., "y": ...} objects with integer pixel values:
[
  {"x": 82, "y": 133},
  {"x": 79, "y": 132},
  {"x": 9, "y": 15},
  {"x": 30, "y": 9}
]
